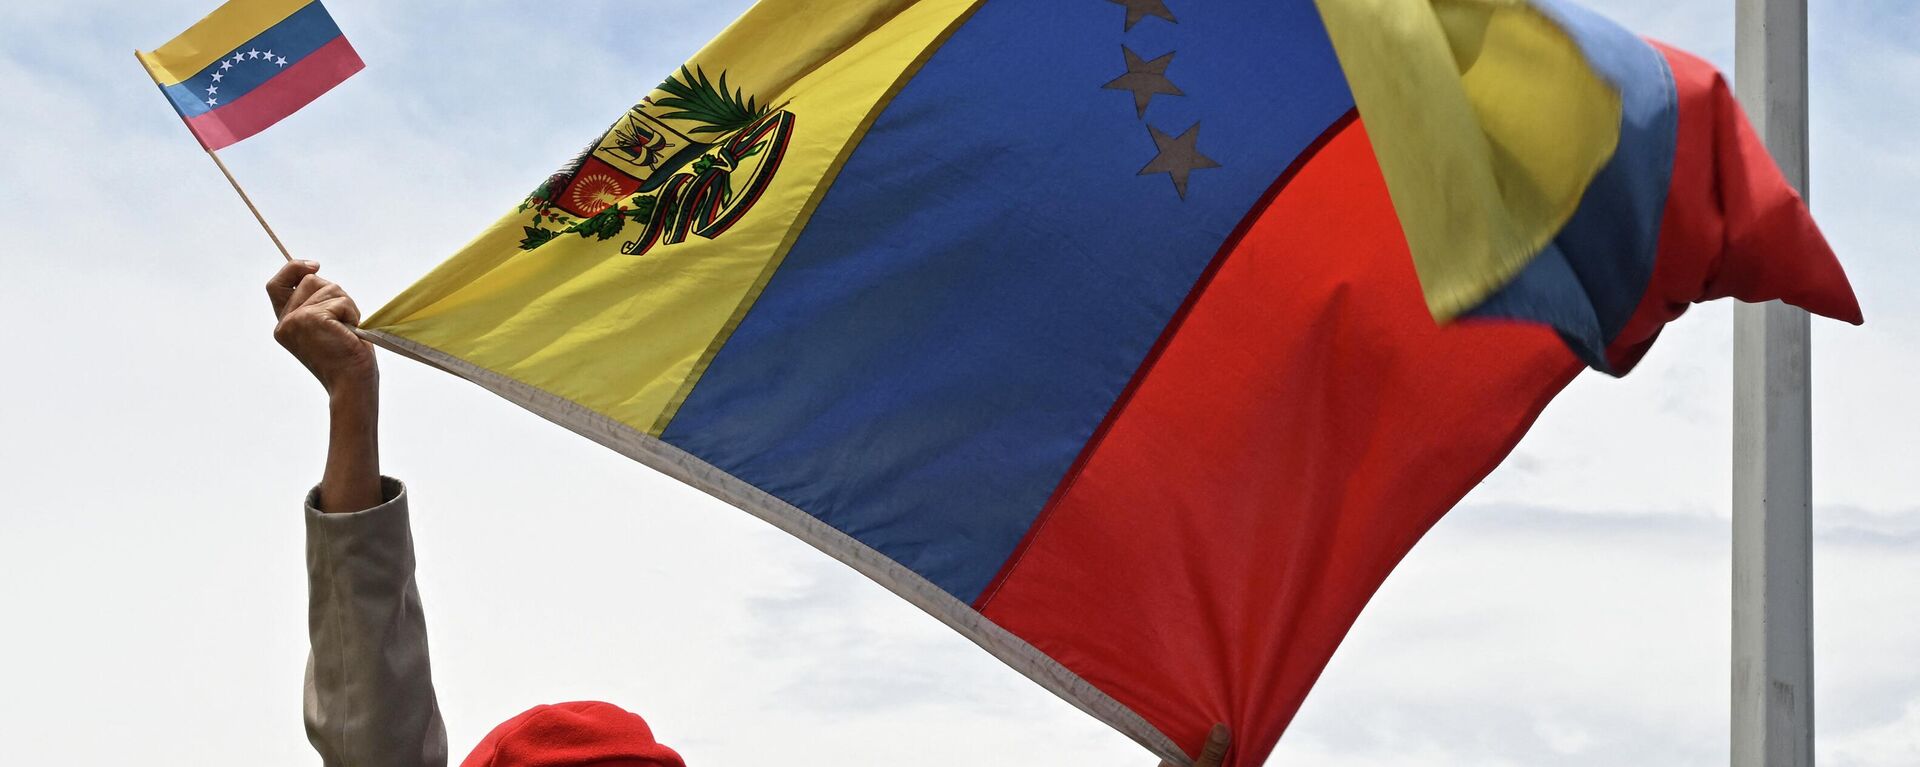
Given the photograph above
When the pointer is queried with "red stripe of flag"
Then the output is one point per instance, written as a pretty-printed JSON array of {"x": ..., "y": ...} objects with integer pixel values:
[{"x": 1302, "y": 427}]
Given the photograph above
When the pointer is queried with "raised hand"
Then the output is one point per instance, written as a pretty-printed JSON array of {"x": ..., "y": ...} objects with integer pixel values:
[{"x": 316, "y": 321}]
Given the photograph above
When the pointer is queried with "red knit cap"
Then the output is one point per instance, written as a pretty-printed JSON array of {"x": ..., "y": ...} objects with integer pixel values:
[{"x": 582, "y": 734}]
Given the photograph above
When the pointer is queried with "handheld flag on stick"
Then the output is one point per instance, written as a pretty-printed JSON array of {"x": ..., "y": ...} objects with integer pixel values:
[
  {"x": 246, "y": 66},
  {"x": 1106, "y": 332}
]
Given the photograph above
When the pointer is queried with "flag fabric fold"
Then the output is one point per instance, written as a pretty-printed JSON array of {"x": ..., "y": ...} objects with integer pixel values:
[
  {"x": 248, "y": 65},
  {"x": 1106, "y": 333}
]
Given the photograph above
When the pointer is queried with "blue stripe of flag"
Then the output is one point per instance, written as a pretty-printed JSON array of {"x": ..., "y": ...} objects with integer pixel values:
[
  {"x": 1588, "y": 281},
  {"x": 291, "y": 40},
  {"x": 996, "y": 260}
]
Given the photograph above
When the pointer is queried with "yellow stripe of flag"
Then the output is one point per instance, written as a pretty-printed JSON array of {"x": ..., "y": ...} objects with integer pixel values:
[
  {"x": 204, "y": 43},
  {"x": 1488, "y": 124}
]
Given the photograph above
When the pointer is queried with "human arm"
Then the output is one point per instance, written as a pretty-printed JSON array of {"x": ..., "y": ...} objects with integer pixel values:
[
  {"x": 369, "y": 696},
  {"x": 314, "y": 321}
]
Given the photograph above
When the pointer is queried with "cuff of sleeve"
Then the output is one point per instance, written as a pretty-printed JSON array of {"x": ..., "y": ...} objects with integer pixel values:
[{"x": 393, "y": 500}]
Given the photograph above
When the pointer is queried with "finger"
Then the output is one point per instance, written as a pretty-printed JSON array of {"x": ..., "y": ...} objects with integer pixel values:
[
  {"x": 309, "y": 285},
  {"x": 281, "y": 286},
  {"x": 317, "y": 319},
  {"x": 339, "y": 308},
  {"x": 1215, "y": 752},
  {"x": 326, "y": 292}
]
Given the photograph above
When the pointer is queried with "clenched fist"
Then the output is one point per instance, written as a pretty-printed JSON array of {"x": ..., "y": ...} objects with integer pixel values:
[{"x": 316, "y": 321}]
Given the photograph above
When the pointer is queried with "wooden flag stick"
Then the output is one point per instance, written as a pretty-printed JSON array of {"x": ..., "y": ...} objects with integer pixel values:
[
  {"x": 224, "y": 172},
  {"x": 249, "y": 201}
]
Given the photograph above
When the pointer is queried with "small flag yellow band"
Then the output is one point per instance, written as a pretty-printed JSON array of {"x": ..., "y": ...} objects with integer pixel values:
[{"x": 209, "y": 40}]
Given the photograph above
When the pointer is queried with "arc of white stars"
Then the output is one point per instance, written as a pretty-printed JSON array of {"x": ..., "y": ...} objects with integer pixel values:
[{"x": 238, "y": 57}]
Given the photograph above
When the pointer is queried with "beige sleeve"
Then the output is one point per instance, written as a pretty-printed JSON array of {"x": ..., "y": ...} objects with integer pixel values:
[{"x": 369, "y": 686}]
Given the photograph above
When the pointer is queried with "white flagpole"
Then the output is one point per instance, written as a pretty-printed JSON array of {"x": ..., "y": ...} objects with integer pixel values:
[{"x": 1772, "y": 724}]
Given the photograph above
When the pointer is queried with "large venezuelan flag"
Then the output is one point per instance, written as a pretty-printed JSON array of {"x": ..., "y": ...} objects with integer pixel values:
[{"x": 1105, "y": 332}]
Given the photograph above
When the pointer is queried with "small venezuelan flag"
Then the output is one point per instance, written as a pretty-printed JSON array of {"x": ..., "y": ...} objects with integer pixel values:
[{"x": 249, "y": 64}]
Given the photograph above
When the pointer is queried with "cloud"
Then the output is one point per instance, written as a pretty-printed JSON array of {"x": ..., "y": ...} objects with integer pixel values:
[
  {"x": 1531, "y": 635},
  {"x": 870, "y": 663},
  {"x": 1894, "y": 742}
]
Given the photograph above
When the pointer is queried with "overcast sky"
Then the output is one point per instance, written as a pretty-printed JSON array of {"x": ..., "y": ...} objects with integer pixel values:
[{"x": 155, "y": 443}]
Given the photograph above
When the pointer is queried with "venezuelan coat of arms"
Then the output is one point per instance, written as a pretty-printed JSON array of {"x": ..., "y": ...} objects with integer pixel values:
[{"x": 690, "y": 160}]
